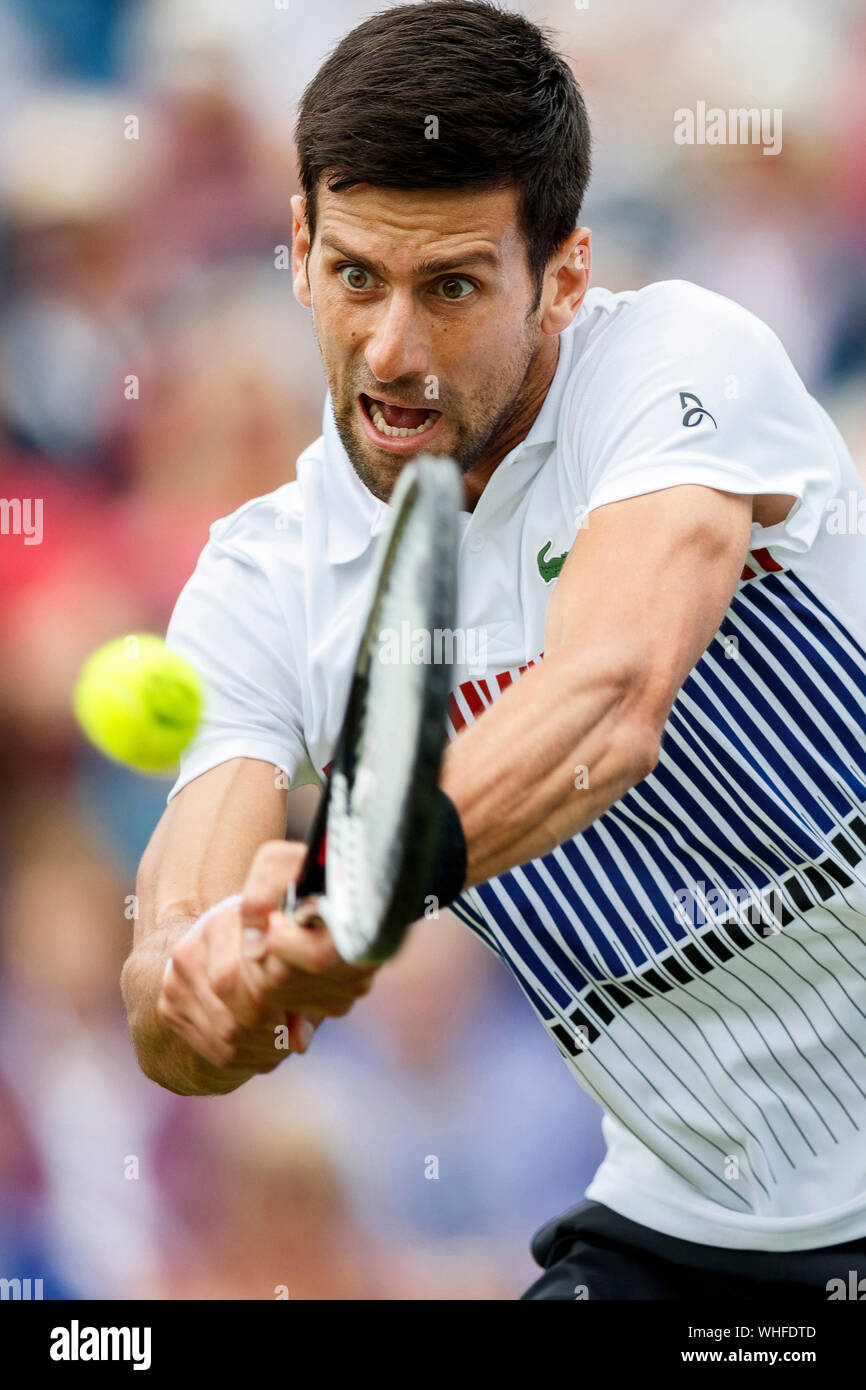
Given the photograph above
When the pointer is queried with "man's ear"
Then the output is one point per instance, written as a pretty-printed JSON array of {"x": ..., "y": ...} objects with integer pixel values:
[
  {"x": 566, "y": 281},
  {"x": 300, "y": 251}
]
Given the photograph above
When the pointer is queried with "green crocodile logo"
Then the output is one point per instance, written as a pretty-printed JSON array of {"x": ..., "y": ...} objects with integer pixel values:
[{"x": 550, "y": 569}]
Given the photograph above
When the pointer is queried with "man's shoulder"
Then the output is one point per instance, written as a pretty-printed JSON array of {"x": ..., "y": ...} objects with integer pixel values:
[
  {"x": 262, "y": 524},
  {"x": 628, "y": 346},
  {"x": 667, "y": 305}
]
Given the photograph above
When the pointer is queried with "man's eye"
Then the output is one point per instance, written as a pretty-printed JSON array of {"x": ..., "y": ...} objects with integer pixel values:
[
  {"x": 356, "y": 277},
  {"x": 455, "y": 287}
]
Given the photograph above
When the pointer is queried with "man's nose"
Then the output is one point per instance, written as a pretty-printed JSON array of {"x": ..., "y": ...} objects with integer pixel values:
[{"x": 399, "y": 346}]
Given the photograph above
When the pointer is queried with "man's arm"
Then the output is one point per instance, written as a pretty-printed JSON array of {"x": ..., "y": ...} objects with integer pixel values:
[
  {"x": 203, "y": 1006},
  {"x": 641, "y": 595}
]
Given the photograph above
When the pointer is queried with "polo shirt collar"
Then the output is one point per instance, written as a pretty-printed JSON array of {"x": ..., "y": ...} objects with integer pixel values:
[
  {"x": 545, "y": 427},
  {"x": 352, "y": 515}
]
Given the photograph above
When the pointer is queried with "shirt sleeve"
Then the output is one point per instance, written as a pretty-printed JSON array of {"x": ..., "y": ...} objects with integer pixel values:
[
  {"x": 686, "y": 386},
  {"x": 227, "y": 623}
]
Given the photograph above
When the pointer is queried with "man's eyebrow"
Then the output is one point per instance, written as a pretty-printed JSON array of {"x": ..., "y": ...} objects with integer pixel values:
[{"x": 442, "y": 266}]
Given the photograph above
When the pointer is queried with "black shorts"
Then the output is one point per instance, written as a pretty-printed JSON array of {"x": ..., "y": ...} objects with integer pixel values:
[{"x": 593, "y": 1252}]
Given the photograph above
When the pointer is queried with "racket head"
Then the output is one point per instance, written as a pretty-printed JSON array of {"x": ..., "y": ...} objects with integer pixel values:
[{"x": 379, "y": 816}]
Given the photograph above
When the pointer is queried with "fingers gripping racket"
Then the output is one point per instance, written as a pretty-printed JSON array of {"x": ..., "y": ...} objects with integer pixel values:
[{"x": 372, "y": 843}]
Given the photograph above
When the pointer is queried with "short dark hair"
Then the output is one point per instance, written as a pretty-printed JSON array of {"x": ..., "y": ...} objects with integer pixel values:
[{"x": 509, "y": 112}]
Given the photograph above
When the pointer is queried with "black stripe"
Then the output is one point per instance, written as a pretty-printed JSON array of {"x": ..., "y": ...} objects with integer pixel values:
[
  {"x": 597, "y": 1004},
  {"x": 838, "y": 873},
  {"x": 737, "y": 935},
  {"x": 619, "y": 996},
  {"x": 679, "y": 972},
  {"x": 710, "y": 939},
  {"x": 652, "y": 977},
  {"x": 859, "y": 827},
  {"x": 699, "y": 961},
  {"x": 845, "y": 848}
]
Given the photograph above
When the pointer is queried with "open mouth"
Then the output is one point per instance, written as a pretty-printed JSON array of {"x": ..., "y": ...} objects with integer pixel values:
[{"x": 399, "y": 421}]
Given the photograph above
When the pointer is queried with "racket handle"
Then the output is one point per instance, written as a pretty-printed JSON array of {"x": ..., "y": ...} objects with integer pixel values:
[
  {"x": 311, "y": 880},
  {"x": 311, "y": 883},
  {"x": 307, "y": 886},
  {"x": 312, "y": 876}
]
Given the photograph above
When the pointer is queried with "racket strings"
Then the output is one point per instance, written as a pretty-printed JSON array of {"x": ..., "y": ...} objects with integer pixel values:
[{"x": 383, "y": 804}]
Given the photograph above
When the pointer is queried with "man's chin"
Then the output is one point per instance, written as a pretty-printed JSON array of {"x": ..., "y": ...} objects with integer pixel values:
[
  {"x": 379, "y": 465},
  {"x": 376, "y": 470}
]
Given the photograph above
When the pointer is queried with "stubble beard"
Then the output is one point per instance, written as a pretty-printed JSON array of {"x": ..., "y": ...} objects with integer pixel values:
[{"x": 472, "y": 442}]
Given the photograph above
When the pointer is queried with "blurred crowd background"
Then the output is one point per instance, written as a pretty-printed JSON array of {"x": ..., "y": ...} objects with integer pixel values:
[{"x": 155, "y": 372}]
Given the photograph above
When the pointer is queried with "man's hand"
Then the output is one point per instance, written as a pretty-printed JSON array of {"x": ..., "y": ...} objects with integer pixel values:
[{"x": 247, "y": 970}]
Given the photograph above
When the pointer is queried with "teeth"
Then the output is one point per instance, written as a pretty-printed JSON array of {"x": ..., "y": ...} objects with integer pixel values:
[{"x": 392, "y": 430}]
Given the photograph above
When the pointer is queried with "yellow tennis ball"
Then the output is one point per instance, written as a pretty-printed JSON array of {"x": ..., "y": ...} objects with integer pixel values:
[{"x": 138, "y": 702}]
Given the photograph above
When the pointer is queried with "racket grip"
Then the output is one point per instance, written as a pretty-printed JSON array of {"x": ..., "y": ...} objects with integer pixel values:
[
  {"x": 310, "y": 883},
  {"x": 312, "y": 876},
  {"x": 311, "y": 880}
]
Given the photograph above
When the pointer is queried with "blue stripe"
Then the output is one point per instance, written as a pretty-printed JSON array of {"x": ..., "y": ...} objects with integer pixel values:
[
  {"x": 612, "y": 831},
  {"x": 785, "y": 692},
  {"x": 564, "y": 919},
  {"x": 803, "y": 845},
  {"x": 577, "y": 856},
  {"x": 650, "y": 872},
  {"x": 746, "y": 804},
  {"x": 791, "y": 774},
  {"x": 822, "y": 631},
  {"x": 519, "y": 942},
  {"x": 586, "y": 906}
]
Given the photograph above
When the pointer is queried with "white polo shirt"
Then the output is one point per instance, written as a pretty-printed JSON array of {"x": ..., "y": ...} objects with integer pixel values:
[{"x": 727, "y": 1052}]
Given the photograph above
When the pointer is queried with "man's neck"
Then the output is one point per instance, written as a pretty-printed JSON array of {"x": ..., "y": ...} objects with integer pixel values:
[{"x": 532, "y": 398}]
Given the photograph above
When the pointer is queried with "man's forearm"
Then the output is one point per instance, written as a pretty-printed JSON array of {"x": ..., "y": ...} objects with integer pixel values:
[
  {"x": 162, "y": 1055},
  {"x": 555, "y": 751}
]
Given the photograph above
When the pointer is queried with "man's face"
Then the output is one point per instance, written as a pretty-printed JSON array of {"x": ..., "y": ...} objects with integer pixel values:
[{"x": 422, "y": 308}]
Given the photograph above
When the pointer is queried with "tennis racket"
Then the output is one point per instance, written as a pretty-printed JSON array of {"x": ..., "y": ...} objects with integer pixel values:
[{"x": 372, "y": 842}]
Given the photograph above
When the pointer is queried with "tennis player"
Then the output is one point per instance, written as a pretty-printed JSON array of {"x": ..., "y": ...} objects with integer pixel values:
[{"x": 657, "y": 787}]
